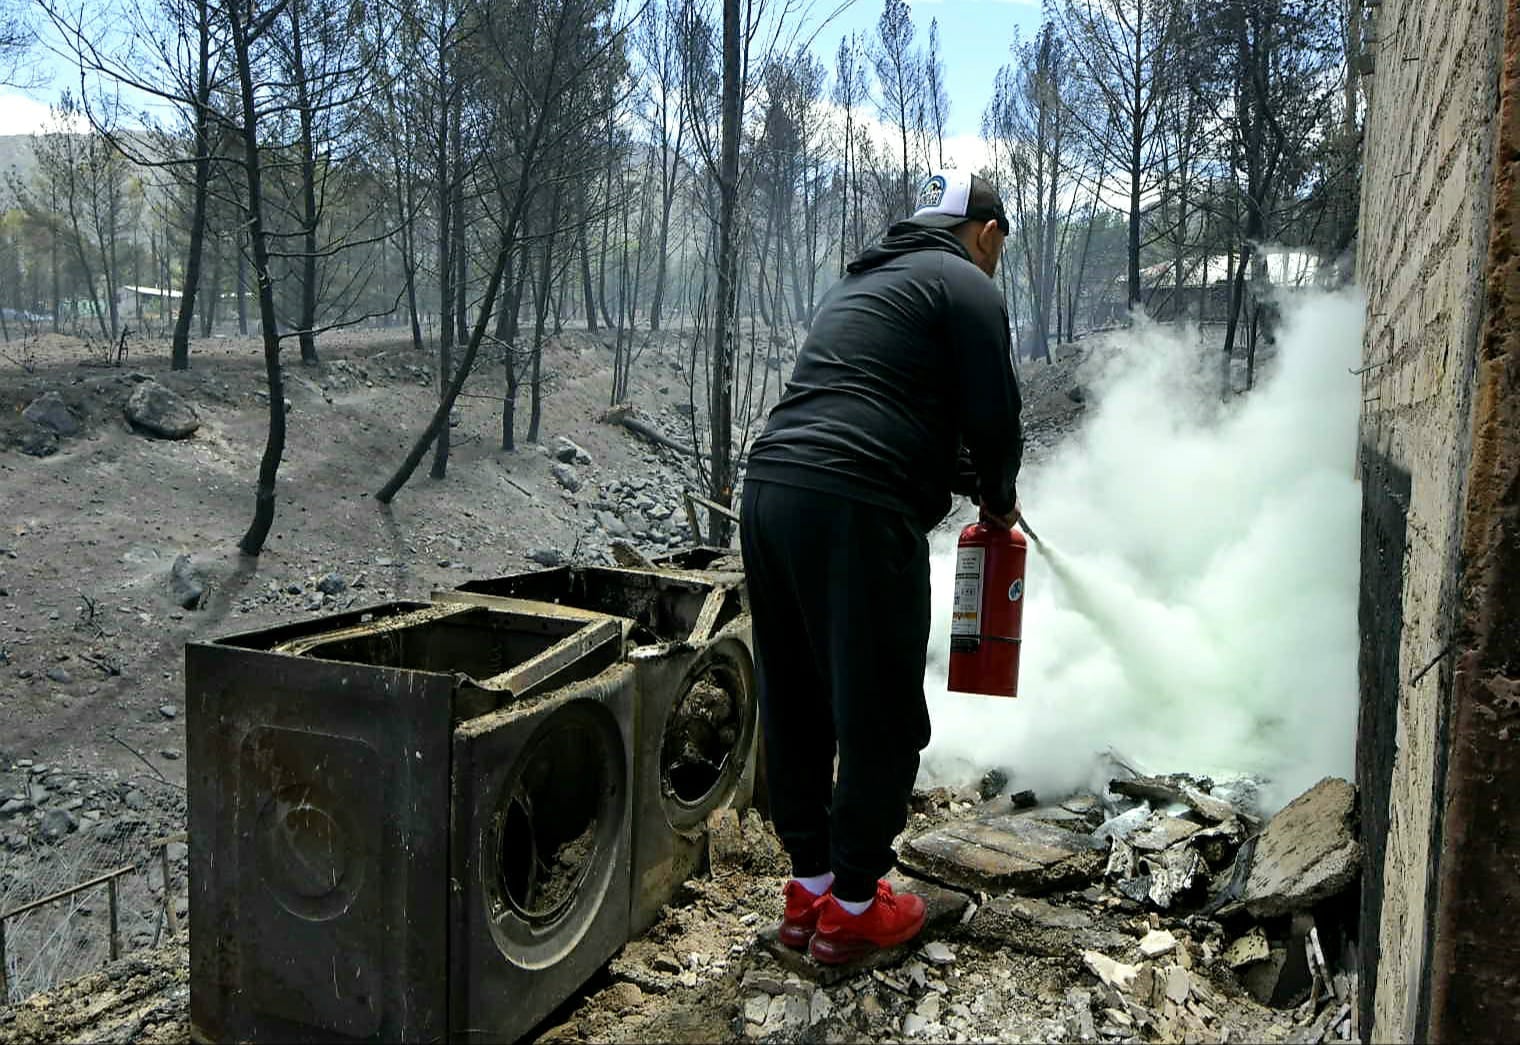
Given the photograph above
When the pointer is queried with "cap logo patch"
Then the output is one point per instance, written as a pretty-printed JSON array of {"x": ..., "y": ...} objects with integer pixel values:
[{"x": 932, "y": 193}]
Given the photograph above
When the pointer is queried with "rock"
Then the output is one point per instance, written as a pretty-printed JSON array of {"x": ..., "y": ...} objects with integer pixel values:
[
  {"x": 768, "y": 983},
  {"x": 570, "y": 452},
  {"x": 547, "y": 556},
  {"x": 1025, "y": 800},
  {"x": 177, "y": 851},
  {"x": 48, "y": 411},
  {"x": 929, "y": 1007},
  {"x": 39, "y": 442},
  {"x": 1308, "y": 852},
  {"x": 1005, "y": 851},
  {"x": 57, "y": 824},
  {"x": 1178, "y": 984},
  {"x": 938, "y": 953},
  {"x": 168, "y": 710},
  {"x": 60, "y": 676},
  {"x": 1080, "y": 1026},
  {"x": 158, "y": 411},
  {"x": 332, "y": 584},
  {"x": 820, "y": 1008},
  {"x": 1116, "y": 974},
  {"x": 913, "y": 1024},
  {"x": 796, "y": 1011},
  {"x": 1158, "y": 942},
  {"x": 186, "y": 583},
  {"x": 566, "y": 476},
  {"x": 1262, "y": 978},
  {"x": 14, "y": 806},
  {"x": 1250, "y": 948},
  {"x": 136, "y": 800},
  {"x": 315, "y": 601},
  {"x": 755, "y": 1008},
  {"x": 614, "y": 526},
  {"x": 170, "y": 753},
  {"x": 1162, "y": 832}
]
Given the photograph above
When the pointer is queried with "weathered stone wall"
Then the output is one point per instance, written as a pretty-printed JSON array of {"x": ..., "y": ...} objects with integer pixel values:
[{"x": 1435, "y": 261}]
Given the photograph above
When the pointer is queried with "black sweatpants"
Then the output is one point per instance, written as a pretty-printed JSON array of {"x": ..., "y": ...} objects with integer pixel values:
[{"x": 839, "y": 592}]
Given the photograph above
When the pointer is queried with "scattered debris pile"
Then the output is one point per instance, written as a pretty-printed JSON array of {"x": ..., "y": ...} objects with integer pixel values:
[{"x": 1165, "y": 909}]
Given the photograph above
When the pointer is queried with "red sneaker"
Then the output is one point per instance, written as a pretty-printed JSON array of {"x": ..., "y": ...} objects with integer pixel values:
[
  {"x": 843, "y": 937},
  {"x": 801, "y": 916}
]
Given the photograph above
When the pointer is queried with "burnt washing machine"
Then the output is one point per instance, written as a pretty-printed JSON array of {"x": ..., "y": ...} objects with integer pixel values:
[
  {"x": 687, "y": 636},
  {"x": 411, "y": 822}
]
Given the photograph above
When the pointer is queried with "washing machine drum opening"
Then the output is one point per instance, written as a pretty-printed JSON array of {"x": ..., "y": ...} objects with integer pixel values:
[
  {"x": 701, "y": 737},
  {"x": 556, "y": 826}
]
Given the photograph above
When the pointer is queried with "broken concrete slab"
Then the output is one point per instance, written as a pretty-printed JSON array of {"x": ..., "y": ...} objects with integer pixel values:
[
  {"x": 942, "y": 909},
  {"x": 1163, "y": 832},
  {"x": 1116, "y": 974},
  {"x": 1027, "y": 925},
  {"x": 1005, "y": 851},
  {"x": 1248, "y": 949},
  {"x": 1176, "y": 788},
  {"x": 1157, "y": 942},
  {"x": 1308, "y": 852}
]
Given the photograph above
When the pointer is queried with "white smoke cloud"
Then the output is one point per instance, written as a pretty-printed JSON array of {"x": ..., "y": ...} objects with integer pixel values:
[{"x": 1196, "y": 609}]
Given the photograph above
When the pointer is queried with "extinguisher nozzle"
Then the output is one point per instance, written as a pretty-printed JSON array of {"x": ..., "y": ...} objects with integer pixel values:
[{"x": 1024, "y": 525}]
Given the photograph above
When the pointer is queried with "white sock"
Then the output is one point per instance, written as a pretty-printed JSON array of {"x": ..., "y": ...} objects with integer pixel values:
[
  {"x": 855, "y": 907},
  {"x": 817, "y": 884}
]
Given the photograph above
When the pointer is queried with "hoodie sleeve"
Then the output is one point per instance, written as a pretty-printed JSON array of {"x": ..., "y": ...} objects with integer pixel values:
[{"x": 986, "y": 391}]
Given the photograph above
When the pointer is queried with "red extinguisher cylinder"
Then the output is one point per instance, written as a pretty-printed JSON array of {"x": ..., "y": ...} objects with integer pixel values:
[{"x": 987, "y": 617}]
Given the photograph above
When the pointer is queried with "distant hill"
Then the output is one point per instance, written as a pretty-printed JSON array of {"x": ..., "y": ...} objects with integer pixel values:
[{"x": 16, "y": 154}]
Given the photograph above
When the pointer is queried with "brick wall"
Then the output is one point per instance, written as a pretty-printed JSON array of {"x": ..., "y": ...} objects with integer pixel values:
[{"x": 1425, "y": 256}]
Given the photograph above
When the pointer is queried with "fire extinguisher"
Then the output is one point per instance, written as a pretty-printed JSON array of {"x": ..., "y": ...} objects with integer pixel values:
[{"x": 988, "y": 611}]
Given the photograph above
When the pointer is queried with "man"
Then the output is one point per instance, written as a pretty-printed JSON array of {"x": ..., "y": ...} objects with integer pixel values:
[{"x": 906, "y": 364}]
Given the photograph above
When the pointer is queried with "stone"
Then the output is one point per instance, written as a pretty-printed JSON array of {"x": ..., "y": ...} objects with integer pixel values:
[
  {"x": 1248, "y": 949},
  {"x": 1116, "y": 974},
  {"x": 57, "y": 824},
  {"x": 1162, "y": 832},
  {"x": 1178, "y": 984},
  {"x": 186, "y": 583},
  {"x": 177, "y": 851},
  {"x": 913, "y": 1025},
  {"x": 614, "y": 526},
  {"x": 570, "y": 452},
  {"x": 1024, "y": 799},
  {"x": 566, "y": 476},
  {"x": 332, "y": 584},
  {"x": 795, "y": 1011},
  {"x": 60, "y": 676},
  {"x": 135, "y": 800},
  {"x": 820, "y": 1007},
  {"x": 929, "y": 1007},
  {"x": 937, "y": 952},
  {"x": 1079, "y": 1025},
  {"x": 547, "y": 557},
  {"x": 158, "y": 411},
  {"x": 168, "y": 710},
  {"x": 1157, "y": 942},
  {"x": 1308, "y": 852},
  {"x": 39, "y": 442},
  {"x": 755, "y": 1008},
  {"x": 48, "y": 411},
  {"x": 14, "y": 806},
  {"x": 170, "y": 753},
  {"x": 1005, "y": 851}
]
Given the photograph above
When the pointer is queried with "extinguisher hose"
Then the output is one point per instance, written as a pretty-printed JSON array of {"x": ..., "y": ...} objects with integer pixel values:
[{"x": 1024, "y": 525}]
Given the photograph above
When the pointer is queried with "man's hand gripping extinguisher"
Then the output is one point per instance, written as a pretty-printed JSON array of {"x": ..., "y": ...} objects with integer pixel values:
[{"x": 988, "y": 612}]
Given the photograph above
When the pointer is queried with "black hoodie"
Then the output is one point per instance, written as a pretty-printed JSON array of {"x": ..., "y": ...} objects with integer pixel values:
[{"x": 907, "y": 361}]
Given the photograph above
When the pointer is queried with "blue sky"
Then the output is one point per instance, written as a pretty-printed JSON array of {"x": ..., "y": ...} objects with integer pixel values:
[{"x": 974, "y": 39}]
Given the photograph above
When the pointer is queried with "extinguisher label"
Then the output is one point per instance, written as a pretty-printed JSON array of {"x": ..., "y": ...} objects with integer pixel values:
[{"x": 966, "y": 613}]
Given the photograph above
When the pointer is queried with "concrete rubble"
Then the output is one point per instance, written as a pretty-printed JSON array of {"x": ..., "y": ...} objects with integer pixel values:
[{"x": 1153, "y": 945}]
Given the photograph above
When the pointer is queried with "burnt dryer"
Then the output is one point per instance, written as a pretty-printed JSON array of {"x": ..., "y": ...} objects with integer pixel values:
[{"x": 378, "y": 851}]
